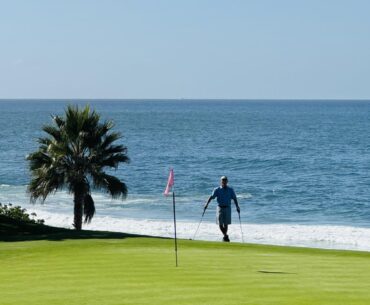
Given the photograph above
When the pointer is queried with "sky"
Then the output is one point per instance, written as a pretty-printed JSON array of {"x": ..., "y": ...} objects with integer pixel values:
[{"x": 202, "y": 49}]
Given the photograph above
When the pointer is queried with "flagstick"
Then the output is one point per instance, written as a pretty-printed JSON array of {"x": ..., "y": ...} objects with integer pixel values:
[{"x": 174, "y": 222}]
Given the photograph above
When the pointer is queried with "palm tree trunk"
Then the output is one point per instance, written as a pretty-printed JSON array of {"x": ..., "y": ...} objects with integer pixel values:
[{"x": 78, "y": 209}]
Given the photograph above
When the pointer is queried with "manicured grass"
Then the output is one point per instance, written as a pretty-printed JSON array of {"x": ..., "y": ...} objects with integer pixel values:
[{"x": 102, "y": 268}]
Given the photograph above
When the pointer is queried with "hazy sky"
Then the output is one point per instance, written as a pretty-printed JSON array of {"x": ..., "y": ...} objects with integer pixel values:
[{"x": 185, "y": 49}]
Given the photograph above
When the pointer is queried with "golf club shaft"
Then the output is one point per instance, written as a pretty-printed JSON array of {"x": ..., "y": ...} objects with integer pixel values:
[
  {"x": 241, "y": 229},
  {"x": 199, "y": 225}
]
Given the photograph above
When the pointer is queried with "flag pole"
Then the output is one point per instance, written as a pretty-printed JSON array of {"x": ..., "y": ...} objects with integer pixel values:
[
  {"x": 171, "y": 185},
  {"x": 174, "y": 223}
]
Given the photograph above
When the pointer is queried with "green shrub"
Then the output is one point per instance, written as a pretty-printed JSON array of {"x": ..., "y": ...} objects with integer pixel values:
[{"x": 16, "y": 212}]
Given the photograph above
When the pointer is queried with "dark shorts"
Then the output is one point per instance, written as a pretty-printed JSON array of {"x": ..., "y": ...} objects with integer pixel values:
[{"x": 223, "y": 215}]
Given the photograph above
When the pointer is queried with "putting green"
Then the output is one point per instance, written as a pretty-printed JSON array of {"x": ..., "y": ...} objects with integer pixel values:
[{"x": 137, "y": 270}]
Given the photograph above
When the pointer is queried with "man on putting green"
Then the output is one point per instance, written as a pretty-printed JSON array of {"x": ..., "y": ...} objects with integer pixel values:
[{"x": 224, "y": 194}]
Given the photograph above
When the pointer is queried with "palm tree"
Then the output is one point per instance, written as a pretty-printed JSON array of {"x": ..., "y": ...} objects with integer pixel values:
[{"x": 73, "y": 156}]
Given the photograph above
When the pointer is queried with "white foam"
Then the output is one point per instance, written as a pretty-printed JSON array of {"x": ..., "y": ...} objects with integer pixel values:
[
  {"x": 244, "y": 196},
  {"x": 316, "y": 236}
]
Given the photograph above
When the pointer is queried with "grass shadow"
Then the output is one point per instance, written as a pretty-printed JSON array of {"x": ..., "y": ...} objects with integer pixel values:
[
  {"x": 14, "y": 230},
  {"x": 275, "y": 272}
]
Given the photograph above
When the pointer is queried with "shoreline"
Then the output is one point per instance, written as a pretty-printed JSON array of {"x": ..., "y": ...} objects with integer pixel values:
[
  {"x": 37, "y": 232},
  {"x": 129, "y": 217},
  {"x": 327, "y": 237}
]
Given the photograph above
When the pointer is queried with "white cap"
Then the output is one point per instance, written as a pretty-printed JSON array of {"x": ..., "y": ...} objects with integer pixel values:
[{"x": 223, "y": 178}]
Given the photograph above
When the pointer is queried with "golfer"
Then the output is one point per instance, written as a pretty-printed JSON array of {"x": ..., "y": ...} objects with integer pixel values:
[{"x": 224, "y": 194}]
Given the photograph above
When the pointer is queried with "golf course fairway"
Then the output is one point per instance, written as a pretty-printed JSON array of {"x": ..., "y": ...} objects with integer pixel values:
[{"x": 107, "y": 269}]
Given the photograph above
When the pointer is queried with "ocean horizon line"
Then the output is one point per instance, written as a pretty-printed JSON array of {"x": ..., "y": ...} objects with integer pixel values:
[{"x": 186, "y": 99}]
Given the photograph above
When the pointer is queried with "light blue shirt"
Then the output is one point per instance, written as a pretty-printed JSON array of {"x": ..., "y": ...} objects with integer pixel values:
[{"x": 223, "y": 195}]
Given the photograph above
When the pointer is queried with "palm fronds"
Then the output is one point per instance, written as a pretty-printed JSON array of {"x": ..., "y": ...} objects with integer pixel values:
[{"x": 76, "y": 149}]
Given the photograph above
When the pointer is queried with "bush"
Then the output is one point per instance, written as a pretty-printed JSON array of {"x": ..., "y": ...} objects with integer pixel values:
[{"x": 17, "y": 213}]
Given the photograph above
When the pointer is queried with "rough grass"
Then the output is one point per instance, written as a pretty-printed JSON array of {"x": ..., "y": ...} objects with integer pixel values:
[{"x": 65, "y": 267}]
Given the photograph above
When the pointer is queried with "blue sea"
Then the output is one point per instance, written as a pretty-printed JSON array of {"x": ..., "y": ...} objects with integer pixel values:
[{"x": 301, "y": 169}]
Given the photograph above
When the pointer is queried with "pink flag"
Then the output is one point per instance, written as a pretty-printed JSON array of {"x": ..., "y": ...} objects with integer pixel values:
[{"x": 170, "y": 182}]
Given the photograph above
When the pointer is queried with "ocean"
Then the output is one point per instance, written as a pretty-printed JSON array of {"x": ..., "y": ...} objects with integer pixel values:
[{"x": 301, "y": 169}]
